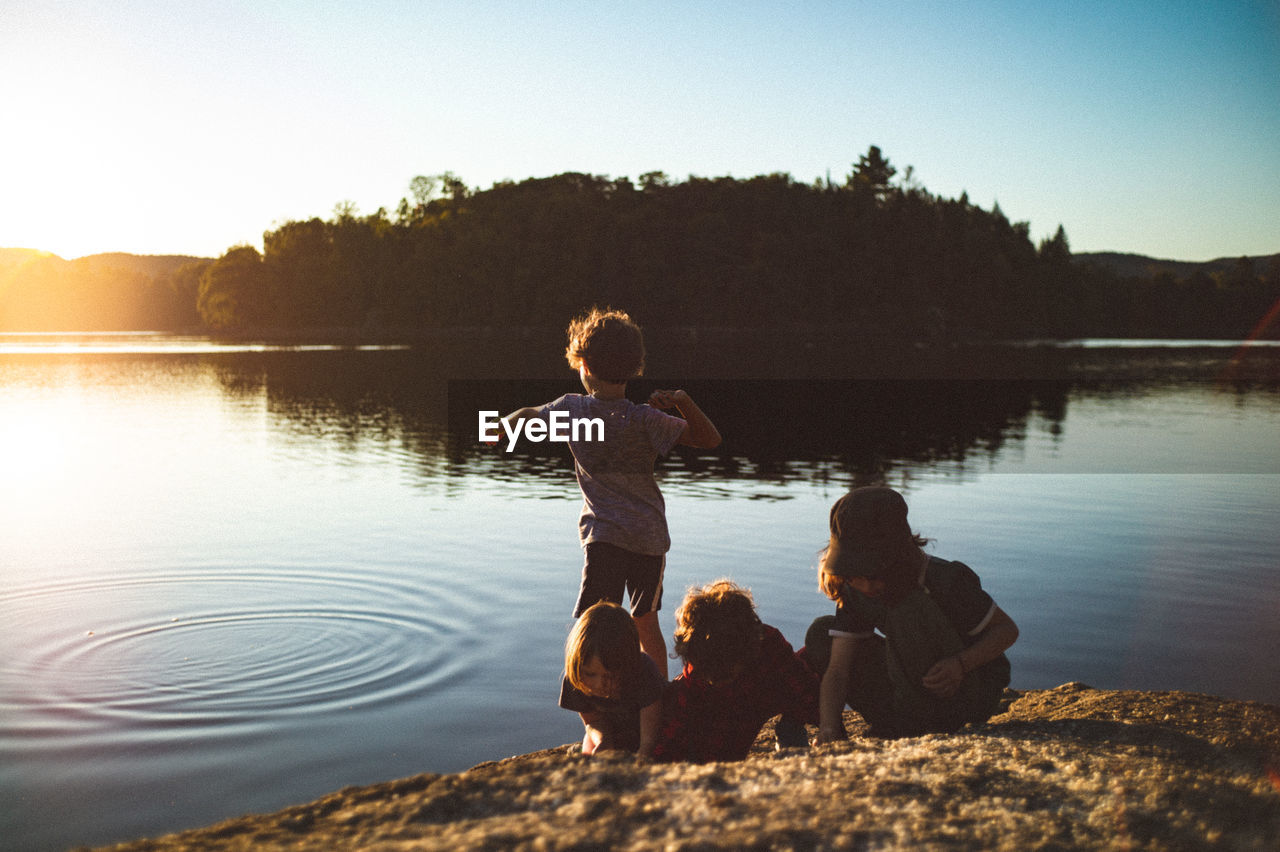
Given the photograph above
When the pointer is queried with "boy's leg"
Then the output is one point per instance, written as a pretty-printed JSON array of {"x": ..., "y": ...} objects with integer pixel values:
[
  {"x": 644, "y": 582},
  {"x": 870, "y": 690},
  {"x": 604, "y": 576},
  {"x": 919, "y": 636},
  {"x": 608, "y": 571},
  {"x": 651, "y": 639}
]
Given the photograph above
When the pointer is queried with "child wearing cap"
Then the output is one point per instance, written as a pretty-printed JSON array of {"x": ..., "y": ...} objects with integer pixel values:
[
  {"x": 623, "y": 525},
  {"x": 940, "y": 660}
]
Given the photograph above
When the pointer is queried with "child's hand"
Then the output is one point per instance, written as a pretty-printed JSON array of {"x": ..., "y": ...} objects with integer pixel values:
[
  {"x": 943, "y": 680},
  {"x": 667, "y": 398},
  {"x": 593, "y": 740}
]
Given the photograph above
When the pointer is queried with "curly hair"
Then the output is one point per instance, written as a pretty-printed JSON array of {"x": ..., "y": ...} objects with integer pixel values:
[
  {"x": 717, "y": 630},
  {"x": 608, "y": 632},
  {"x": 611, "y": 345}
]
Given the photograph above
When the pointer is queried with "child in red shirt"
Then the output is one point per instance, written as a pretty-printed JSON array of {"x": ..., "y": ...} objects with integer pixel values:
[{"x": 738, "y": 674}]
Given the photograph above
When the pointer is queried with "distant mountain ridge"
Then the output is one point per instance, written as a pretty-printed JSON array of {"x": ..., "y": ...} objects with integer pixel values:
[
  {"x": 147, "y": 264},
  {"x": 40, "y": 291},
  {"x": 1142, "y": 266},
  {"x": 1121, "y": 263}
]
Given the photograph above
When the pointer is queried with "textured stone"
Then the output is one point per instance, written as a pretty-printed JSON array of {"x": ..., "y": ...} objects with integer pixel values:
[{"x": 1066, "y": 768}]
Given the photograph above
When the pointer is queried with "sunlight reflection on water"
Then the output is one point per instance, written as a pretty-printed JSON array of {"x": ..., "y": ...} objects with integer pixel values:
[{"x": 157, "y": 343}]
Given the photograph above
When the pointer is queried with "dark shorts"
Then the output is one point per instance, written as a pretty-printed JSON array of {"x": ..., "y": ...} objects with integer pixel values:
[{"x": 609, "y": 571}]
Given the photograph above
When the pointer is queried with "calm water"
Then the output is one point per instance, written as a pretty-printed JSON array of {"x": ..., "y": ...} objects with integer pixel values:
[{"x": 237, "y": 577}]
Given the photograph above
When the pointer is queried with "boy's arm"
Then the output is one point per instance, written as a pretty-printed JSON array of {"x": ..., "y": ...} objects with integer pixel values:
[
  {"x": 1000, "y": 634},
  {"x": 699, "y": 432},
  {"x": 522, "y": 413},
  {"x": 502, "y": 424},
  {"x": 835, "y": 689},
  {"x": 945, "y": 676}
]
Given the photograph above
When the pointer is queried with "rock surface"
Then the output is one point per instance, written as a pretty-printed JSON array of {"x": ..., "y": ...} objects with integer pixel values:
[{"x": 1066, "y": 768}]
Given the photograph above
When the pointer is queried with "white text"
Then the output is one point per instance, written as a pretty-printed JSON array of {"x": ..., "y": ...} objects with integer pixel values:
[{"x": 559, "y": 427}]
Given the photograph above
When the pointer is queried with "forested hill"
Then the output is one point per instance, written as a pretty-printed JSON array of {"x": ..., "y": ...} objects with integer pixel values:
[
  {"x": 1141, "y": 266},
  {"x": 876, "y": 254}
]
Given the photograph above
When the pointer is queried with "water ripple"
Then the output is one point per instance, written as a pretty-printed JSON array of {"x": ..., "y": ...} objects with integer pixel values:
[{"x": 222, "y": 648}]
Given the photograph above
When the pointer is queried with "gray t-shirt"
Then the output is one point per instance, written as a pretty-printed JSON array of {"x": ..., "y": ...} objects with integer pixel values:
[{"x": 621, "y": 501}]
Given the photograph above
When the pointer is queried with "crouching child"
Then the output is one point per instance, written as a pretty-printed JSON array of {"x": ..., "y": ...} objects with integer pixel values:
[
  {"x": 611, "y": 683},
  {"x": 937, "y": 660},
  {"x": 738, "y": 673}
]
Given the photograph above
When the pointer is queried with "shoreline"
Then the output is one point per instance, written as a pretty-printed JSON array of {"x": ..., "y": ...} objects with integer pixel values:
[{"x": 1069, "y": 767}]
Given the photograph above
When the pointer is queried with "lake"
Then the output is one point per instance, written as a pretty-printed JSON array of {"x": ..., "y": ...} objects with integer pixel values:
[{"x": 240, "y": 575}]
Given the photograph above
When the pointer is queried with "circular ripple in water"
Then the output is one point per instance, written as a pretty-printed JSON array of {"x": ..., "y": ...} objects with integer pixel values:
[{"x": 225, "y": 647}]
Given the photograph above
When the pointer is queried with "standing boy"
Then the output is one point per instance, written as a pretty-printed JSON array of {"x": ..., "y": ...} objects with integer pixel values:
[{"x": 623, "y": 526}]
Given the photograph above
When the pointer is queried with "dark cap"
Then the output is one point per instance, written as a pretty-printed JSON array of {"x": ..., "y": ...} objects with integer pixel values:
[{"x": 869, "y": 533}]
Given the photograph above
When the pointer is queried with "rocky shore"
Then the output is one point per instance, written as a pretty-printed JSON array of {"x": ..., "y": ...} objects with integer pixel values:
[{"x": 1066, "y": 768}]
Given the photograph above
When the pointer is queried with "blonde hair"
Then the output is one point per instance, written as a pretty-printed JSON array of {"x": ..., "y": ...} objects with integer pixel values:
[
  {"x": 608, "y": 632},
  {"x": 829, "y": 584},
  {"x": 608, "y": 342},
  {"x": 717, "y": 629}
]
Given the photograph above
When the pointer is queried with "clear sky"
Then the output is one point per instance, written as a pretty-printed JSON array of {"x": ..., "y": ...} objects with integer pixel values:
[{"x": 161, "y": 127}]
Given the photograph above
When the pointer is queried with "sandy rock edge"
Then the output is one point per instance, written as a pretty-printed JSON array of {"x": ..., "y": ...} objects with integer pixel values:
[{"x": 1067, "y": 768}]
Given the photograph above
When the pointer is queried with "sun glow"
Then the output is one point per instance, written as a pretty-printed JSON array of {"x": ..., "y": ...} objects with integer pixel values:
[{"x": 38, "y": 446}]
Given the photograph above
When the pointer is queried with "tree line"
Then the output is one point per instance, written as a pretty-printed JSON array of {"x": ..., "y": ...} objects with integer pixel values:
[{"x": 876, "y": 252}]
